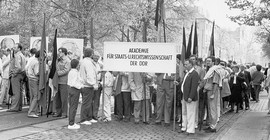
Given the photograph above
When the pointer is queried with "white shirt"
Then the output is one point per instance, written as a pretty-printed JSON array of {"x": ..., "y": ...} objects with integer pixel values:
[
  {"x": 6, "y": 60},
  {"x": 234, "y": 78},
  {"x": 74, "y": 79},
  {"x": 182, "y": 86},
  {"x": 29, "y": 61},
  {"x": 88, "y": 72}
]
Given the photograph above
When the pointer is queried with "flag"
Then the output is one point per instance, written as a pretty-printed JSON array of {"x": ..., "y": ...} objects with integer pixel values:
[
  {"x": 211, "y": 46},
  {"x": 188, "y": 52},
  {"x": 160, "y": 12},
  {"x": 42, "y": 70},
  {"x": 42, "y": 62},
  {"x": 53, "y": 77},
  {"x": 183, "y": 53},
  {"x": 195, "y": 43}
]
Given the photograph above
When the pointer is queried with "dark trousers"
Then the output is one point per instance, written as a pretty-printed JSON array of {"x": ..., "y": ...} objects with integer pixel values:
[
  {"x": 203, "y": 104},
  {"x": 245, "y": 98},
  {"x": 123, "y": 104},
  {"x": 27, "y": 91},
  {"x": 87, "y": 99},
  {"x": 74, "y": 95},
  {"x": 252, "y": 92},
  {"x": 257, "y": 89},
  {"x": 96, "y": 102},
  {"x": 61, "y": 98}
]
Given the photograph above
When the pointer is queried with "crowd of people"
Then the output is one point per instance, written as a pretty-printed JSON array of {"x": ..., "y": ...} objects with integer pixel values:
[{"x": 204, "y": 89}]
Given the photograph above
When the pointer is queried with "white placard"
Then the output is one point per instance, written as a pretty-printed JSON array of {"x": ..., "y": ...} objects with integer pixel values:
[
  {"x": 35, "y": 42},
  {"x": 74, "y": 46},
  {"x": 140, "y": 57},
  {"x": 9, "y": 41}
]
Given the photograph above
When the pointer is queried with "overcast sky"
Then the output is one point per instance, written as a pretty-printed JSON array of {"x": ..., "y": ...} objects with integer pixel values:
[{"x": 219, "y": 11}]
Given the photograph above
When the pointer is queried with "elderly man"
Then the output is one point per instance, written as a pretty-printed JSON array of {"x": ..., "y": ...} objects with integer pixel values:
[
  {"x": 17, "y": 73},
  {"x": 63, "y": 67},
  {"x": 190, "y": 97}
]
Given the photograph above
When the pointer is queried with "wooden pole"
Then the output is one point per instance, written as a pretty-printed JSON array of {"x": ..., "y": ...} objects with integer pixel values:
[
  {"x": 103, "y": 92},
  {"x": 92, "y": 33},
  {"x": 144, "y": 76}
]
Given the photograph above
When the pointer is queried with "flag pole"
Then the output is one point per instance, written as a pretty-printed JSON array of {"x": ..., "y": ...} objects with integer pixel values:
[{"x": 144, "y": 76}]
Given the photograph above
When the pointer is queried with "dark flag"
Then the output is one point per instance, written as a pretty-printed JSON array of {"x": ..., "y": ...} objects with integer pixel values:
[
  {"x": 160, "y": 13},
  {"x": 188, "y": 52},
  {"x": 53, "y": 77},
  {"x": 183, "y": 53},
  {"x": 211, "y": 46},
  {"x": 42, "y": 69},
  {"x": 195, "y": 43}
]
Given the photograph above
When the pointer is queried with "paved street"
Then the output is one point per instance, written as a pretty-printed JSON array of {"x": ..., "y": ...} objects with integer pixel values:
[{"x": 251, "y": 124}]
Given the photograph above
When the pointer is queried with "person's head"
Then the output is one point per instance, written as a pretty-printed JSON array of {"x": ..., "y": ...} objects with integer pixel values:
[
  {"x": 6, "y": 51},
  {"x": 242, "y": 67},
  {"x": 222, "y": 63},
  {"x": 217, "y": 61},
  {"x": 37, "y": 54},
  {"x": 88, "y": 52},
  {"x": 199, "y": 61},
  {"x": 188, "y": 64},
  {"x": 193, "y": 58},
  {"x": 33, "y": 51},
  {"x": 210, "y": 61},
  {"x": 258, "y": 67},
  {"x": 18, "y": 47},
  {"x": 62, "y": 52},
  {"x": 95, "y": 56},
  {"x": 247, "y": 66},
  {"x": 74, "y": 63},
  {"x": 235, "y": 69}
]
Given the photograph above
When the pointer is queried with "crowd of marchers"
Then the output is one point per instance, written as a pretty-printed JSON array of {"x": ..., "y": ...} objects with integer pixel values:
[{"x": 205, "y": 90}]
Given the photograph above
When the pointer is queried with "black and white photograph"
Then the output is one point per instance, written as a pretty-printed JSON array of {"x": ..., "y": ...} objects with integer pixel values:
[{"x": 135, "y": 70}]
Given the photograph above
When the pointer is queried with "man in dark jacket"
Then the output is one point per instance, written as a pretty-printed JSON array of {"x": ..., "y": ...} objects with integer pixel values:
[{"x": 189, "y": 102}]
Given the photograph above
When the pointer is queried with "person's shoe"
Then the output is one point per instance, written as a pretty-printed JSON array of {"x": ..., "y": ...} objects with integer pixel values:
[
  {"x": 157, "y": 123},
  {"x": 166, "y": 124},
  {"x": 74, "y": 126},
  {"x": 190, "y": 134},
  {"x": 231, "y": 110},
  {"x": 146, "y": 123},
  {"x": 65, "y": 116},
  {"x": 211, "y": 130},
  {"x": 208, "y": 128},
  {"x": 136, "y": 122},
  {"x": 57, "y": 115},
  {"x": 247, "y": 108},
  {"x": 11, "y": 110},
  {"x": 126, "y": 119},
  {"x": 33, "y": 116},
  {"x": 93, "y": 121},
  {"x": 86, "y": 123}
]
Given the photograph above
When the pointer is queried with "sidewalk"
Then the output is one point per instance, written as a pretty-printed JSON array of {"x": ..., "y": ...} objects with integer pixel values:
[{"x": 253, "y": 125}]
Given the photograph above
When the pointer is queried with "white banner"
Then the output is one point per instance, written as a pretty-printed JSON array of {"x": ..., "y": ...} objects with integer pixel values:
[
  {"x": 73, "y": 45},
  {"x": 140, "y": 57},
  {"x": 35, "y": 42},
  {"x": 9, "y": 41}
]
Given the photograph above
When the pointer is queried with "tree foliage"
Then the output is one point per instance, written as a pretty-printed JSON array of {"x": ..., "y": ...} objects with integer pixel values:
[
  {"x": 254, "y": 13},
  {"x": 112, "y": 18}
]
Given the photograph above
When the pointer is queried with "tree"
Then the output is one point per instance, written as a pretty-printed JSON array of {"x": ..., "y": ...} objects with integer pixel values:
[{"x": 254, "y": 14}]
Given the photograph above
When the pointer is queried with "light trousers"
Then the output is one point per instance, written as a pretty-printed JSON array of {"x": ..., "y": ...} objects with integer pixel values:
[{"x": 188, "y": 116}]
